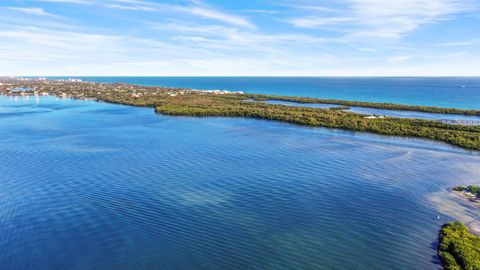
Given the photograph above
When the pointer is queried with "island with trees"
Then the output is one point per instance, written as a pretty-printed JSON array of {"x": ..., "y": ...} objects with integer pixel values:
[
  {"x": 471, "y": 192},
  {"x": 459, "y": 249},
  {"x": 212, "y": 103}
]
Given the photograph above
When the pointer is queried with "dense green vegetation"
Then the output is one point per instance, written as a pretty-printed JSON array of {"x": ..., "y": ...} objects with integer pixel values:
[
  {"x": 207, "y": 105},
  {"x": 475, "y": 190},
  {"x": 459, "y": 250},
  {"x": 186, "y": 102},
  {"x": 203, "y": 105},
  {"x": 375, "y": 105}
]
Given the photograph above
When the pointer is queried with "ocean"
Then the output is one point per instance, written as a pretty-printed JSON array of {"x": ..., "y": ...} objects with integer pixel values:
[{"x": 456, "y": 92}]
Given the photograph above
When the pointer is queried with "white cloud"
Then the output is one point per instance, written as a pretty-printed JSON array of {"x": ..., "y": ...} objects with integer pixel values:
[
  {"x": 139, "y": 8},
  {"x": 31, "y": 11},
  {"x": 398, "y": 17},
  {"x": 198, "y": 39},
  {"x": 83, "y": 2},
  {"x": 196, "y": 8},
  {"x": 464, "y": 43},
  {"x": 315, "y": 21},
  {"x": 388, "y": 19},
  {"x": 400, "y": 58},
  {"x": 31, "y": 44},
  {"x": 216, "y": 15},
  {"x": 260, "y": 11},
  {"x": 232, "y": 40},
  {"x": 317, "y": 8}
]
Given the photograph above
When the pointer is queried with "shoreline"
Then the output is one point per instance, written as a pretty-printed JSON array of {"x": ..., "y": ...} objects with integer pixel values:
[
  {"x": 474, "y": 224},
  {"x": 458, "y": 248},
  {"x": 365, "y": 104},
  {"x": 14, "y": 82},
  {"x": 474, "y": 201},
  {"x": 457, "y": 237},
  {"x": 188, "y": 102}
]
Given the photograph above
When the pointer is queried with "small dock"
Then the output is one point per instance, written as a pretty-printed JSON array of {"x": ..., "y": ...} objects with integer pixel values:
[{"x": 460, "y": 122}]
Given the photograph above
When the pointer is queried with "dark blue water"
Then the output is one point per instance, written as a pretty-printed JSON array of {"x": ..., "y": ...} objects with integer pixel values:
[
  {"x": 460, "y": 92},
  {"x": 86, "y": 185}
]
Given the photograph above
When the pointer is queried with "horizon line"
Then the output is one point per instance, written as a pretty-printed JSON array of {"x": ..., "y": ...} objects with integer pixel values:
[{"x": 255, "y": 76}]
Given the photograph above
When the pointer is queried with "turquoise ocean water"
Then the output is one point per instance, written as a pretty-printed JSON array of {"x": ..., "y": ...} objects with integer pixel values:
[{"x": 458, "y": 92}]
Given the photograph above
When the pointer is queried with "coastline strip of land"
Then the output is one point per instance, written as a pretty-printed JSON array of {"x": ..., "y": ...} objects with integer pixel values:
[
  {"x": 213, "y": 103},
  {"x": 373, "y": 105}
]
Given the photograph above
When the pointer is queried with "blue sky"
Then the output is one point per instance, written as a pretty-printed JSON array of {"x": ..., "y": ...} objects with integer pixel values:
[{"x": 240, "y": 38}]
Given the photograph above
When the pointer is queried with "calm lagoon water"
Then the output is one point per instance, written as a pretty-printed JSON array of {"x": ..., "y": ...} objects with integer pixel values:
[
  {"x": 87, "y": 185},
  {"x": 457, "y": 92},
  {"x": 473, "y": 119}
]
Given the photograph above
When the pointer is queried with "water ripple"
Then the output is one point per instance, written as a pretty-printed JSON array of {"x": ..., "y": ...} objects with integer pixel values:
[{"x": 133, "y": 190}]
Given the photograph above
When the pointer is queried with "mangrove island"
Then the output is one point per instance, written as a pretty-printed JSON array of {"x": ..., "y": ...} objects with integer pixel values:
[
  {"x": 208, "y": 103},
  {"x": 459, "y": 249},
  {"x": 471, "y": 191}
]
